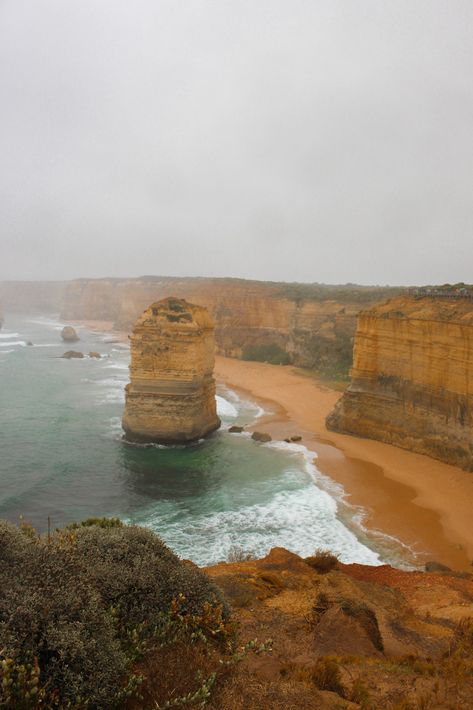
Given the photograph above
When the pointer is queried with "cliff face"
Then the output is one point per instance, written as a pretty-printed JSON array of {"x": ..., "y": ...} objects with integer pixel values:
[
  {"x": 307, "y": 325},
  {"x": 171, "y": 396},
  {"x": 412, "y": 378}
]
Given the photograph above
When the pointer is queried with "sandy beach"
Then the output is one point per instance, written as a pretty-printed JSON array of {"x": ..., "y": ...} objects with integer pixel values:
[{"x": 422, "y": 502}]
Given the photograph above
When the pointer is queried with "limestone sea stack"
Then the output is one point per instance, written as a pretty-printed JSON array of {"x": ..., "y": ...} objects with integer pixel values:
[{"x": 171, "y": 395}]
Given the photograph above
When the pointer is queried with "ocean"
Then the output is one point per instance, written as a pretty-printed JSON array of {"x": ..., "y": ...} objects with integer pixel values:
[{"x": 63, "y": 457}]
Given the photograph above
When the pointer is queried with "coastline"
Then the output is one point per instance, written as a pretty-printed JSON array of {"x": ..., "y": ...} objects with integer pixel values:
[{"x": 424, "y": 503}]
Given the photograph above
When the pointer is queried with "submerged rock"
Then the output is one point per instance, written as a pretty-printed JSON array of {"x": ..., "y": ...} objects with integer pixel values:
[
  {"x": 234, "y": 429},
  {"x": 95, "y": 354},
  {"x": 69, "y": 335},
  {"x": 171, "y": 396},
  {"x": 29, "y": 343},
  {"x": 261, "y": 436},
  {"x": 72, "y": 354}
]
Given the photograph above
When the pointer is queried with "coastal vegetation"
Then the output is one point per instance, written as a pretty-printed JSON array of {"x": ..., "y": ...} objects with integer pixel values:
[
  {"x": 83, "y": 609},
  {"x": 268, "y": 352},
  {"x": 102, "y": 615}
]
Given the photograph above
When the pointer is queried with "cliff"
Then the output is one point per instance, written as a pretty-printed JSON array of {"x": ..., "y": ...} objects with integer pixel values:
[
  {"x": 308, "y": 325},
  {"x": 412, "y": 378},
  {"x": 171, "y": 396}
]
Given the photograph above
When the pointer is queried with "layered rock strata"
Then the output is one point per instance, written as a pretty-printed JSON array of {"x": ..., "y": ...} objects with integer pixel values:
[
  {"x": 171, "y": 395},
  {"x": 308, "y": 325},
  {"x": 412, "y": 378}
]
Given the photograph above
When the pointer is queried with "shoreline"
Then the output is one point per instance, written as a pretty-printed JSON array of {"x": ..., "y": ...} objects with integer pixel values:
[{"x": 423, "y": 503}]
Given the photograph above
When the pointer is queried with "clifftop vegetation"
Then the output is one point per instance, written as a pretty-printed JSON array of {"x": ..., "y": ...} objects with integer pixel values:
[{"x": 101, "y": 616}]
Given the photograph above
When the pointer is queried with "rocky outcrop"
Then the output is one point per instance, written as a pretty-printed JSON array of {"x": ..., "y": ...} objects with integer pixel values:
[
  {"x": 73, "y": 355},
  {"x": 171, "y": 396},
  {"x": 412, "y": 378},
  {"x": 308, "y": 325},
  {"x": 340, "y": 631},
  {"x": 68, "y": 334}
]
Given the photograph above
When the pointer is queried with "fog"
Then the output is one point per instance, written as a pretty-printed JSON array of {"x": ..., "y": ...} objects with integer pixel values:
[{"x": 310, "y": 140}]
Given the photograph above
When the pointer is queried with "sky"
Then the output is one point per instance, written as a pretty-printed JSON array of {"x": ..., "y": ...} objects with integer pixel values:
[{"x": 292, "y": 140}]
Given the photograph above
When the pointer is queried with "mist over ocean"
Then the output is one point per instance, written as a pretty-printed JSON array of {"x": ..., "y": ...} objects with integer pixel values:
[{"x": 62, "y": 456}]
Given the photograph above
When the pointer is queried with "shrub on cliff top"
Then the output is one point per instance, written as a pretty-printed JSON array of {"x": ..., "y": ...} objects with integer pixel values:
[
  {"x": 322, "y": 560},
  {"x": 77, "y": 609}
]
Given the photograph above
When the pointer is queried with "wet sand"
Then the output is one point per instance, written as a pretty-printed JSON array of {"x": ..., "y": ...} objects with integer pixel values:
[{"x": 424, "y": 503}]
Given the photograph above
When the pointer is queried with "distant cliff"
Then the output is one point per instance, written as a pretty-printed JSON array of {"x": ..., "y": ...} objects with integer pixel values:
[
  {"x": 309, "y": 325},
  {"x": 412, "y": 378}
]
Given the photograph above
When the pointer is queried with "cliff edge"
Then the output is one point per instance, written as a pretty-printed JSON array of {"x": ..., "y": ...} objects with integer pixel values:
[{"x": 412, "y": 378}]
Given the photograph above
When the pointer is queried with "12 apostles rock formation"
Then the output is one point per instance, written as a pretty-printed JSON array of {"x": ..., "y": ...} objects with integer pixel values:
[{"x": 171, "y": 395}]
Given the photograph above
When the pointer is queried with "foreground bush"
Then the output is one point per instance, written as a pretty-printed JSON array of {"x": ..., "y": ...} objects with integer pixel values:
[
  {"x": 323, "y": 561},
  {"x": 79, "y": 608}
]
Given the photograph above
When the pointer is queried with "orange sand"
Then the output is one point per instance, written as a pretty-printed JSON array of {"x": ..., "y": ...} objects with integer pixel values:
[
  {"x": 422, "y": 502},
  {"x": 425, "y": 503}
]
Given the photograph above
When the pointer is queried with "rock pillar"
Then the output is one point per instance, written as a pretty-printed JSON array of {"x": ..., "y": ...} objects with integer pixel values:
[{"x": 171, "y": 395}]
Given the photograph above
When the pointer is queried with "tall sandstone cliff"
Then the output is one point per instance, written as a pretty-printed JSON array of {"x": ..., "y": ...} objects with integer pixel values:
[
  {"x": 309, "y": 325},
  {"x": 412, "y": 378},
  {"x": 171, "y": 396}
]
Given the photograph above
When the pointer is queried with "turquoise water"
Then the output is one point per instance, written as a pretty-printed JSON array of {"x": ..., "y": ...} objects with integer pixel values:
[{"x": 62, "y": 455}]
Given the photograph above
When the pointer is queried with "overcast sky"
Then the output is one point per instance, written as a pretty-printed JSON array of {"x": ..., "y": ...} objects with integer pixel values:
[{"x": 295, "y": 140}]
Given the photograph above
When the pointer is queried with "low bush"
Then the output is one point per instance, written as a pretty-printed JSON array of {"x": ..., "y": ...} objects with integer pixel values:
[
  {"x": 78, "y": 609},
  {"x": 271, "y": 352},
  {"x": 322, "y": 560}
]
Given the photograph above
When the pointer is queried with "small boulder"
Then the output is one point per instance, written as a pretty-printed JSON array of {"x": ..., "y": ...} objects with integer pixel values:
[
  {"x": 234, "y": 429},
  {"x": 69, "y": 335},
  {"x": 72, "y": 354},
  {"x": 95, "y": 354},
  {"x": 29, "y": 342},
  {"x": 261, "y": 436},
  {"x": 433, "y": 566},
  {"x": 296, "y": 438},
  {"x": 288, "y": 441}
]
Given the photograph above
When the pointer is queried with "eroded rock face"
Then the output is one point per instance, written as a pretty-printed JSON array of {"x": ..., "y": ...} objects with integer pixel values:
[
  {"x": 412, "y": 378},
  {"x": 69, "y": 334},
  {"x": 171, "y": 396},
  {"x": 307, "y": 325}
]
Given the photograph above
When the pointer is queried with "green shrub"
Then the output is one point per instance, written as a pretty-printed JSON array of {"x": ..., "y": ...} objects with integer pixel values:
[
  {"x": 79, "y": 607},
  {"x": 271, "y": 352},
  {"x": 134, "y": 570},
  {"x": 51, "y": 615}
]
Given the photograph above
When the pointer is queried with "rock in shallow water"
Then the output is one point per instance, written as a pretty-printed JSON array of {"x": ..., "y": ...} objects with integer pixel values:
[
  {"x": 72, "y": 354},
  {"x": 234, "y": 429},
  {"x": 69, "y": 335},
  {"x": 261, "y": 436}
]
